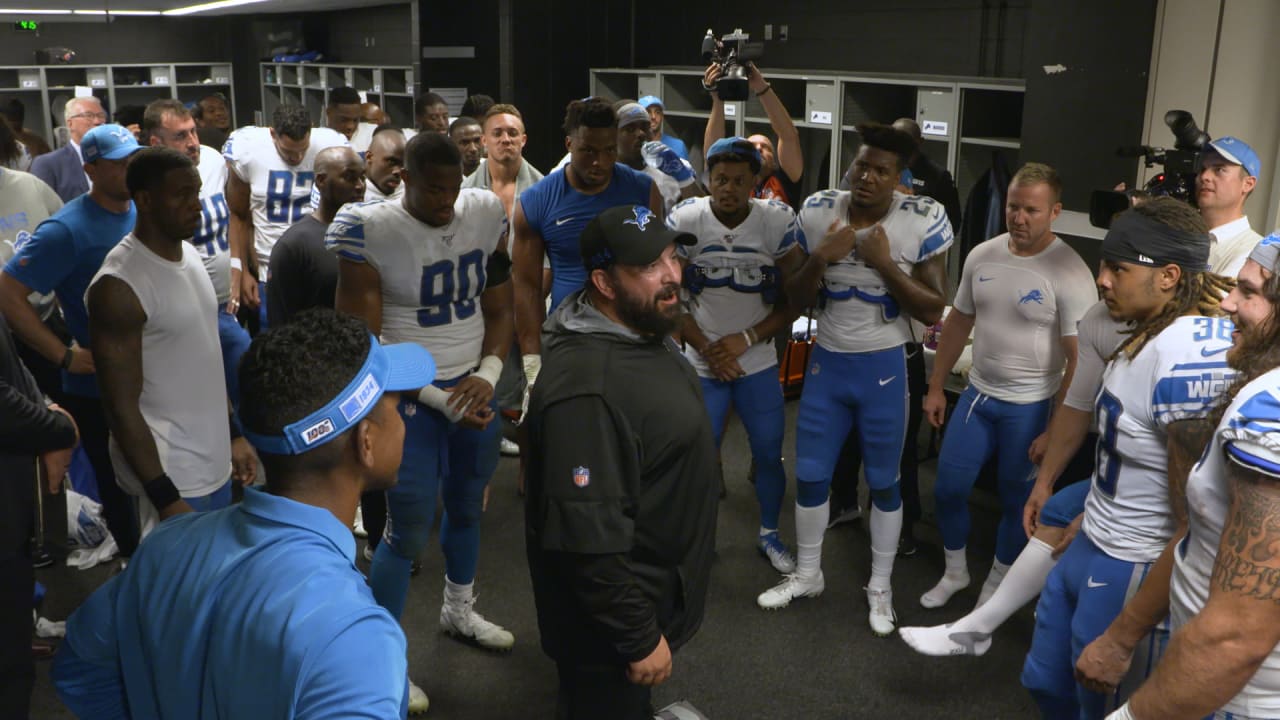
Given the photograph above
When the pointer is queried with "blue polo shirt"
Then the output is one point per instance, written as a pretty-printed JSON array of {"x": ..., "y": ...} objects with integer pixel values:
[
  {"x": 559, "y": 214},
  {"x": 62, "y": 256},
  {"x": 253, "y": 611}
]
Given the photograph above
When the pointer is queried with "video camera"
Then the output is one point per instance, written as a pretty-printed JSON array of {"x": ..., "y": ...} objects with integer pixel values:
[
  {"x": 733, "y": 53},
  {"x": 1180, "y": 164}
]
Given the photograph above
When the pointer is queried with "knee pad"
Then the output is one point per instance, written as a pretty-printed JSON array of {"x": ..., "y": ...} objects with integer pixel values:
[
  {"x": 811, "y": 472},
  {"x": 887, "y": 499}
]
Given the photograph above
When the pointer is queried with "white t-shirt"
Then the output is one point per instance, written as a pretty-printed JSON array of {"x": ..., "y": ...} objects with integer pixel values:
[
  {"x": 857, "y": 313},
  {"x": 215, "y": 218},
  {"x": 432, "y": 277},
  {"x": 1177, "y": 376},
  {"x": 734, "y": 271},
  {"x": 25, "y": 202},
  {"x": 184, "y": 398},
  {"x": 668, "y": 188},
  {"x": 279, "y": 193},
  {"x": 1250, "y": 432},
  {"x": 1098, "y": 337},
  {"x": 1023, "y": 307},
  {"x": 1231, "y": 246}
]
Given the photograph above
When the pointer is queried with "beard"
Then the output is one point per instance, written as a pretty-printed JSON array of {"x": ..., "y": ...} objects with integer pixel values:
[{"x": 643, "y": 315}]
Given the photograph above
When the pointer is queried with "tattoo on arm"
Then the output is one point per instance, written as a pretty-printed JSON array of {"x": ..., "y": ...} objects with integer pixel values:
[{"x": 1248, "y": 560}]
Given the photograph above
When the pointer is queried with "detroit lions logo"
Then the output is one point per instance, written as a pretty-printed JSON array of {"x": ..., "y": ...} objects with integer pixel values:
[
  {"x": 1034, "y": 296},
  {"x": 643, "y": 216}
]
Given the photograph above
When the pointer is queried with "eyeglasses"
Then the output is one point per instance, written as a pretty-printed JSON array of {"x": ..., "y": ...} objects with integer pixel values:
[{"x": 92, "y": 115}]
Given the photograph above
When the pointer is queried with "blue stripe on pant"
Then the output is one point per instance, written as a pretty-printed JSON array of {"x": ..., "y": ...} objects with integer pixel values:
[
  {"x": 843, "y": 391},
  {"x": 758, "y": 400},
  {"x": 1085, "y": 591},
  {"x": 440, "y": 459},
  {"x": 979, "y": 426}
]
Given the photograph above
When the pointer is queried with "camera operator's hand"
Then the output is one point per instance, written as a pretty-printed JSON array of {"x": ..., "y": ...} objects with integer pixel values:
[
  {"x": 710, "y": 78},
  {"x": 755, "y": 80}
]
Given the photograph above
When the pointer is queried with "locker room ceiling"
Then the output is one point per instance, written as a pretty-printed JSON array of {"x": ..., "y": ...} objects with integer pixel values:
[{"x": 51, "y": 11}]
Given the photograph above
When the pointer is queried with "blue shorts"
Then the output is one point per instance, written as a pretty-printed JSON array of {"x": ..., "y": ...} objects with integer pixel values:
[
  {"x": 1084, "y": 593},
  {"x": 842, "y": 391},
  {"x": 1065, "y": 504}
]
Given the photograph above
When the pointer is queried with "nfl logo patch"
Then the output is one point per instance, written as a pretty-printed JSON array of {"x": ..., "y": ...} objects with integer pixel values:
[{"x": 581, "y": 476}]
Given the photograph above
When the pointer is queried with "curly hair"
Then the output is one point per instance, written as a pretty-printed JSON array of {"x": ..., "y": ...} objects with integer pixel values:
[
  {"x": 890, "y": 139},
  {"x": 1258, "y": 349},
  {"x": 294, "y": 370},
  {"x": 1197, "y": 292}
]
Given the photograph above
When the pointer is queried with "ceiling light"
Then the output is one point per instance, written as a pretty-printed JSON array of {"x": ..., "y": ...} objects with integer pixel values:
[
  {"x": 30, "y": 11},
  {"x": 133, "y": 12},
  {"x": 205, "y": 7}
]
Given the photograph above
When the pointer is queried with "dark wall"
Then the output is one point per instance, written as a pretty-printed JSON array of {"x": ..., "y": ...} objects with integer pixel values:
[
  {"x": 369, "y": 36},
  {"x": 555, "y": 44},
  {"x": 125, "y": 40},
  {"x": 1074, "y": 120},
  {"x": 953, "y": 37}
]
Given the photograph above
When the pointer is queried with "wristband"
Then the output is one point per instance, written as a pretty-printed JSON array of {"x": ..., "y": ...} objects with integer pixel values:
[
  {"x": 747, "y": 336},
  {"x": 752, "y": 336},
  {"x": 438, "y": 399},
  {"x": 161, "y": 492},
  {"x": 237, "y": 264},
  {"x": 66, "y": 358},
  {"x": 766, "y": 89},
  {"x": 1121, "y": 713},
  {"x": 532, "y": 365},
  {"x": 490, "y": 369}
]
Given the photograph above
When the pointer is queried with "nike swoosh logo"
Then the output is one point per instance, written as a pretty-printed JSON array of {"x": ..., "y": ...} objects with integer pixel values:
[
  {"x": 1093, "y": 584},
  {"x": 1206, "y": 352},
  {"x": 982, "y": 279},
  {"x": 562, "y": 221},
  {"x": 886, "y": 381}
]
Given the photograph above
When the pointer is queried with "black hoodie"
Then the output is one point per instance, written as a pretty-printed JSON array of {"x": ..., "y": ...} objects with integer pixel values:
[{"x": 621, "y": 491}]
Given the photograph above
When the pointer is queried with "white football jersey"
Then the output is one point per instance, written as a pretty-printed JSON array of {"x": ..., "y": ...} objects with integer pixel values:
[
  {"x": 211, "y": 239},
  {"x": 371, "y": 192},
  {"x": 1023, "y": 306},
  {"x": 732, "y": 278},
  {"x": 279, "y": 193},
  {"x": 432, "y": 277},
  {"x": 856, "y": 312},
  {"x": 1250, "y": 432},
  {"x": 1178, "y": 375}
]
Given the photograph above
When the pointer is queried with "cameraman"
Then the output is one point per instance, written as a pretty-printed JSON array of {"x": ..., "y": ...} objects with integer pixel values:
[
  {"x": 780, "y": 171},
  {"x": 1228, "y": 173}
]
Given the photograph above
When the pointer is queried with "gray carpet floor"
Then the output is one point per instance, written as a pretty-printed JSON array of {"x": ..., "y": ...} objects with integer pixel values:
[{"x": 816, "y": 659}]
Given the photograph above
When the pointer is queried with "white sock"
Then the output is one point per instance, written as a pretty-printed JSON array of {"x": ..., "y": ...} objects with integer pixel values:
[
  {"x": 1022, "y": 582},
  {"x": 766, "y": 531},
  {"x": 456, "y": 594},
  {"x": 955, "y": 579},
  {"x": 811, "y": 523},
  {"x": 998, "y": 570},
  {"x": 886, "y": 527}
]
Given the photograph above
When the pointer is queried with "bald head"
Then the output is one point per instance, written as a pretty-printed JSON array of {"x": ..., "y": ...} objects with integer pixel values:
[
  {"x": 385, "y": 159},
  {"x": 910, "y": 127},
  {"x": 372, "y": 113},
  {"x": 340, "y": 179}
]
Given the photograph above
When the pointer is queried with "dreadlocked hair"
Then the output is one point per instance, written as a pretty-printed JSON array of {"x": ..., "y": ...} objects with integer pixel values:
[
  {"x": 1256, "y": 352},
  {"x": 1197, "y": 293}
]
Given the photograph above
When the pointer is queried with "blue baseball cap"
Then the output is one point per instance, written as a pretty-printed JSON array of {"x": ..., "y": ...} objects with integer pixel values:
[
  {"x": 388, "y": 368},
  {"x": 1237, "y": 151},
  {"x": 648, "y": 100},
  {"x": 737, "y": 147},
  {"x": 108, "y": 142}
]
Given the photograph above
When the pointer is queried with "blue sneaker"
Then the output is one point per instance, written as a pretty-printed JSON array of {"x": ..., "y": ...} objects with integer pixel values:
[{"x": 779, "y": 556}]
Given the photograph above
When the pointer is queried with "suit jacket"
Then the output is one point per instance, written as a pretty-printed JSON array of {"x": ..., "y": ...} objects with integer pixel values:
[{"x": 62, "y": 171}]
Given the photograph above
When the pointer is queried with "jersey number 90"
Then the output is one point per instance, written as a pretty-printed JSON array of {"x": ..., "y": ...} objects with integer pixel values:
[
  {"x": 447, "y": 290},
  {"x": 282, "y": 206}
]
